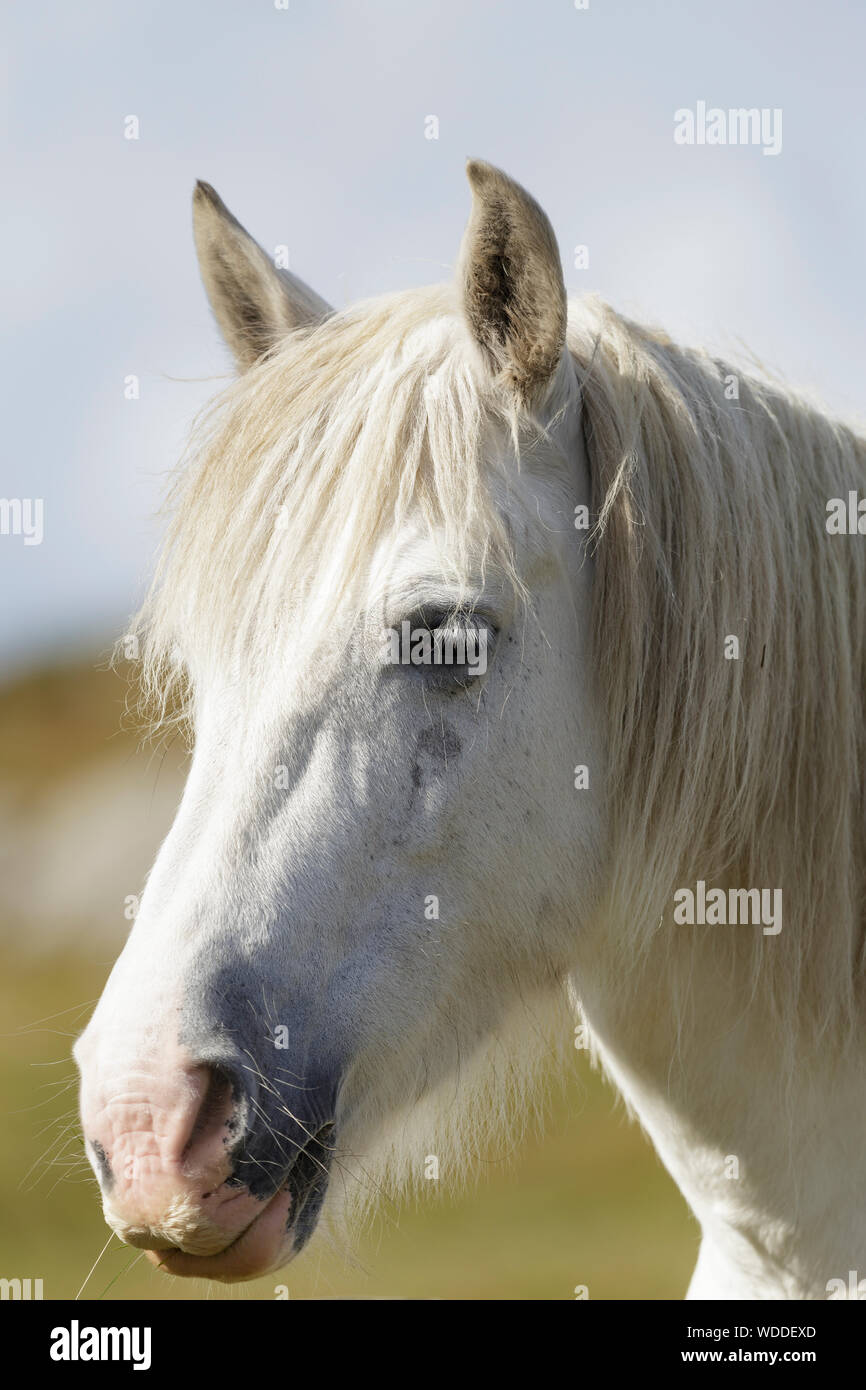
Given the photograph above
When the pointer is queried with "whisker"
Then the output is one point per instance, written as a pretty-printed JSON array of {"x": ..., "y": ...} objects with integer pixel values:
[{"x": 93, "y": 1266}]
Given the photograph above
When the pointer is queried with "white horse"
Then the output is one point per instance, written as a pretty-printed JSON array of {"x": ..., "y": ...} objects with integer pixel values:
[{"x": 384, "y": 870}]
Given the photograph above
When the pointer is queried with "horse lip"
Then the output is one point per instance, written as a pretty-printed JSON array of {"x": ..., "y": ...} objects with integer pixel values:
[
  {"x": 305, "y": 1185},
  {"x": 233, "y": 1263},
  {"x": 307, "y": 1182}
]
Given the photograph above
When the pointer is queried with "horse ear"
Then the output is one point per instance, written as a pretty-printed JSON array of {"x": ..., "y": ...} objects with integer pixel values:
[
  {"x": 255, "y": 303},
  {"x": 511, "y": 281}
]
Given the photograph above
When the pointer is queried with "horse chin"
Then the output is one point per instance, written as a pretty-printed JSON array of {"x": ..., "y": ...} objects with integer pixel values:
[{"x": 280, "y": 1231}]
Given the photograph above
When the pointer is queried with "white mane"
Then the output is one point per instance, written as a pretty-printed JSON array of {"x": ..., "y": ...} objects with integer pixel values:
[{"x": 711, "y": 517}]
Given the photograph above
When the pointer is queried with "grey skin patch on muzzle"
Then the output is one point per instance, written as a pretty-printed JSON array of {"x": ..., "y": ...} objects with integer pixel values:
[{"x": 282, "y": 1129}]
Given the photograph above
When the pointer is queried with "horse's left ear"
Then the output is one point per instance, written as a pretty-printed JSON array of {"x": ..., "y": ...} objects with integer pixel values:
[{"x": 511, "y": 281}]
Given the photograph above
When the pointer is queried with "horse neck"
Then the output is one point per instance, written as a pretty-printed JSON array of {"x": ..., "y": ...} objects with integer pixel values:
[{"x": 764, "y": 1147}]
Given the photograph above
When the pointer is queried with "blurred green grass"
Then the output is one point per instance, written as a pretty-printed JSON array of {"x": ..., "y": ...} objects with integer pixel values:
[{"x": 587, "y": 1204}]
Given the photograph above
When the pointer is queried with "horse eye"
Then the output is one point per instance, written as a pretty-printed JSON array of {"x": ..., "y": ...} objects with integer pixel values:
[{"x": 448, "y": 649}]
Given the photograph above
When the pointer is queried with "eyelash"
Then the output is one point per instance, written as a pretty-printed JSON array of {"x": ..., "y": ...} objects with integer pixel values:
[{"x": 460, "y": 624}]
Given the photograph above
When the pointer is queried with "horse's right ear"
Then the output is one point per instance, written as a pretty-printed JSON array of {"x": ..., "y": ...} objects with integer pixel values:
[{"x": 255, "y": 303}]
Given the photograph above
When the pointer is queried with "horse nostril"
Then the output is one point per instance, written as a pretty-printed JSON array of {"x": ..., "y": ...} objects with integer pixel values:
[
  {"x": 177, "y": 1130},
  {"x": 103, "y": 1167},
  {"x": 216, "y": 1123}
]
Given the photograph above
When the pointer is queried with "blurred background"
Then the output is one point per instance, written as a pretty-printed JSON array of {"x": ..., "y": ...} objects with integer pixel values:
[{"x": 339, "y": 130}]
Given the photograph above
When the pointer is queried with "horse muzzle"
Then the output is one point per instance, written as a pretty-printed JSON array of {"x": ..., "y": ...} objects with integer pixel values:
[{"x": 206, "y": 1165}]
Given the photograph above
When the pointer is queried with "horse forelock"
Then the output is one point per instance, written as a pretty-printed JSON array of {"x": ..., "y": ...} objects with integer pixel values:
[{"x": 304, "y": 464}]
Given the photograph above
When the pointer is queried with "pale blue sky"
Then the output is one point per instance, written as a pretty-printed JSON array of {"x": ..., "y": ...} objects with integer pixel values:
[{"x": 310, "y": 123}]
